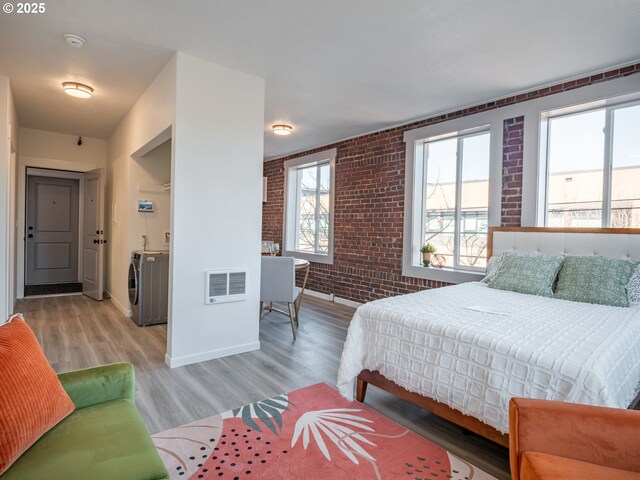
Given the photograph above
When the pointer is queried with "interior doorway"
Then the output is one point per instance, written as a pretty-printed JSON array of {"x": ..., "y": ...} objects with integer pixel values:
[{"x": 63, "y": 232}]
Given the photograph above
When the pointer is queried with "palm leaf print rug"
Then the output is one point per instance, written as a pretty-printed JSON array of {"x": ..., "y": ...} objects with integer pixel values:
[{"x": 312, "y": 433}]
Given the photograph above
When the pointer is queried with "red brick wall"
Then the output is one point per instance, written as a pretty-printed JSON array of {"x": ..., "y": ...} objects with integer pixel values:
[
  {"x": 369, "y": 201},
  {"x": 512, "y": 162}
]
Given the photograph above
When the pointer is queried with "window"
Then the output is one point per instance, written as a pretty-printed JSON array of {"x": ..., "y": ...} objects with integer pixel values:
[
  {"x": 456, "y": 197},
  {"x": 449, "y": 195},
  {"x": 309, "y": 207},
  {"x": 593, "y": 166}
]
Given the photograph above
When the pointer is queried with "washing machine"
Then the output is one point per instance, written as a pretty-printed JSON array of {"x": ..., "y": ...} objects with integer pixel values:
[{"x": 148, "y": 282}]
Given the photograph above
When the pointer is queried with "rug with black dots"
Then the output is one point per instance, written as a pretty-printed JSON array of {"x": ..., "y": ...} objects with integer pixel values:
[{"x": 312, "y": 433}]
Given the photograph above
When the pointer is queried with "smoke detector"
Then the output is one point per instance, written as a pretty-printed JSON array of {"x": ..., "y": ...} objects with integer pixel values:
[{"x": 74, "y": 40}]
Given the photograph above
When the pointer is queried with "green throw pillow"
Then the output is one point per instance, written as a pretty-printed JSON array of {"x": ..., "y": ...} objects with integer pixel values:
[
  {"x": 531, "y": 273},
  {"x": 595, "y": 279}
]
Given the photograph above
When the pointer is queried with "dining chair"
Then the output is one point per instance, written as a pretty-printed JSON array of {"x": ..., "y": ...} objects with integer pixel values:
[{"x": 278, "y": 284}]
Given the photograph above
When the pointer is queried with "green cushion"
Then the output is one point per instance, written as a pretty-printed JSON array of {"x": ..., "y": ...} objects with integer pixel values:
[
  {"x": 530, "y": 273},
  {"x": 595, "y": 279},
  {"x": 99, "y": 442},
  {"x": 95, "y": 385}
]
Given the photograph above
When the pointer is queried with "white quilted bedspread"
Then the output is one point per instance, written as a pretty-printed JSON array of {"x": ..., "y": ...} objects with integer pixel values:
[{"x": 473, "y": 348}]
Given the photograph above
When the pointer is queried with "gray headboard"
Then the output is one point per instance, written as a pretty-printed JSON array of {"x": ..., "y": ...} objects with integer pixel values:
[{"x": 608, "y": 242}]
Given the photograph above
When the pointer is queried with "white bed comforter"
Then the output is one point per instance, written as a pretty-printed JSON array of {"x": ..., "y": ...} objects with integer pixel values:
[{"x": 473, "y": 348}]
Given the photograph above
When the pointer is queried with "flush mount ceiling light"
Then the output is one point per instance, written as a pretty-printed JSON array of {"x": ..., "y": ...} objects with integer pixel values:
[
  {"x": 76, "y": 89},
  {"x": 74, "y": 40},
  {"x": 282, "y": 129}
]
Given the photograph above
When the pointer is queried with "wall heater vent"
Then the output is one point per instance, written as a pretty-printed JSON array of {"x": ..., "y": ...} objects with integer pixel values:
[{"x": 225, "y": 286}]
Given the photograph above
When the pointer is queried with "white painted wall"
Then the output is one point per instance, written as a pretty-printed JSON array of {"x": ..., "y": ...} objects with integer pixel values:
[
  {"x": 217, "y": 207},
  {"x": 148, "y": 174},
  {"x": 214, "y": 117},
  {"x": 60, "y": 146},
  {"x": 8, "y": 155},
  {"x": 151, "y": 117}
]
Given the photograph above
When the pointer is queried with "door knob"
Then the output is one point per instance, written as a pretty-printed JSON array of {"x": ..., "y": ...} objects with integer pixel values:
[
  {"x": 30, "y": 228},
  {"x": 96, "y": 241},
  {"x": 30, "y": 235},
  {"x": 97, "y": 232}
]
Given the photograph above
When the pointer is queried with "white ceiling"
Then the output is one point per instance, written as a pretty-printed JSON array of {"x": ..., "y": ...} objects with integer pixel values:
[{"x": 333, "y": 68}]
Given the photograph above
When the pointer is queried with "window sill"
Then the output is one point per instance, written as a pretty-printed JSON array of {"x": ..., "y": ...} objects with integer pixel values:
[
  {"x": 448, "y": 275},
  {"x": 311, "y": 257}
]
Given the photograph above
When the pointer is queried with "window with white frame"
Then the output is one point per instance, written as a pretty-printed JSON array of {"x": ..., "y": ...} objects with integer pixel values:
[
  {"x": 592, "y": 159},
  {"x": 456, "y": 197},
  {"x": 450, "y": 197},
  {"x": 309, "y": 194}
]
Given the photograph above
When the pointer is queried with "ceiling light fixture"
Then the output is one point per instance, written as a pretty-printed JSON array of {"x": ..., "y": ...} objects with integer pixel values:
[
  {"x": 74, "y": 40},
  {"x": 76, "y": 89},
  {"x": 282, "y": 129}
]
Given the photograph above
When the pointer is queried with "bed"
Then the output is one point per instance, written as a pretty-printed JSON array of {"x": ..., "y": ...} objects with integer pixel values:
[{"x": 463, "y": 351}]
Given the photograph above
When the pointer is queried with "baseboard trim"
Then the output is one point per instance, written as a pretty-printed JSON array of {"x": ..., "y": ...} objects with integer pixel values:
[
  {"x": 332, "y": 298},
  {"x": 174, "y": 362},
  {"x": 125, "y": 311},
  {"x": 54, "y": 295}
]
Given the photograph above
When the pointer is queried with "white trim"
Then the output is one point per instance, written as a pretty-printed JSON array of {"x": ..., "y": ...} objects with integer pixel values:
[
  {"x": 174, "y": 362},
  {"x": 533, "y": 175},
  {"x": 608, "y": 107},
  {"x": 156, "y": 141},
  {"x": 448, "y": 275},
  {"x": 324, "y": 296},
  {"x": 332, "y": 298},
  {"x": 290, "y": 204},
  {"x": 11, "y": 253},
  {"x": 348, "y": 303},
  {"x": 54, "y": 164},
  {"x": 493, "y": 120},
  {"x": 124, "y": 310}
]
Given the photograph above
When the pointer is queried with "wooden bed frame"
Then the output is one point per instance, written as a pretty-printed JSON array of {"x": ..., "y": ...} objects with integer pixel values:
[{"x": 442, "y": 410}]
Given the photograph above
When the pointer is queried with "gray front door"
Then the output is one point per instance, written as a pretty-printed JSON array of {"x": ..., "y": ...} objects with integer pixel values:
[{"x": 52, "y": 230}]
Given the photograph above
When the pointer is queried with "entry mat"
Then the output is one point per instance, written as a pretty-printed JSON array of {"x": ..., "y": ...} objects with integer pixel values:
[{"x": 52, "y": 289}]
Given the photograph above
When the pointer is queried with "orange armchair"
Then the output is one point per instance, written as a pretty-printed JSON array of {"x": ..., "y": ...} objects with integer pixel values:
[{"x": 566, "y": 441}]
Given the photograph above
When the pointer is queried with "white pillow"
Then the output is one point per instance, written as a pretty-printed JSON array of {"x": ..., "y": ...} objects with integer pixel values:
[
  {"x": 633, "y": 287},
  {"x": 493, "y": 265}
]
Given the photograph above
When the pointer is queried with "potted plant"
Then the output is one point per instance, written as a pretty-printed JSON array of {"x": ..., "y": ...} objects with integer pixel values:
[{"x": 427, "y": 249}]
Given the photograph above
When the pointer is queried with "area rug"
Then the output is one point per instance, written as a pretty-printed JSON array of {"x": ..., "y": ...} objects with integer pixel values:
[{"x": 312, "y": 433}]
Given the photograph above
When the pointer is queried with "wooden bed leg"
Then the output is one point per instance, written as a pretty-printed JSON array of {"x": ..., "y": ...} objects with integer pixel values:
[{"x": 361, "y": 390}]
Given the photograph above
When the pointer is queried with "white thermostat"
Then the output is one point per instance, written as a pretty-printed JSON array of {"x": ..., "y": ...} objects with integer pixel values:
[{"x": 145, "y": 206}]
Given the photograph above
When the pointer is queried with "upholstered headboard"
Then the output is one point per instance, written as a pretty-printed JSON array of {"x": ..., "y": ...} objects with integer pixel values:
[{"x": 608, "y": 242}]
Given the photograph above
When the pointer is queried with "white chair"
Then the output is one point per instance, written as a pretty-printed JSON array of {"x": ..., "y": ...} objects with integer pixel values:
[{"x": 278, "y": 284}]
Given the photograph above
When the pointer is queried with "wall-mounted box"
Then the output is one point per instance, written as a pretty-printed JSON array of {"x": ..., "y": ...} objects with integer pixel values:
[{"x": 145, "y": 206}]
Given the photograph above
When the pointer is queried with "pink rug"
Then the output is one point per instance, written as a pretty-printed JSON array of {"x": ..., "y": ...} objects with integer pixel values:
[{"x": 312, "y": 433}]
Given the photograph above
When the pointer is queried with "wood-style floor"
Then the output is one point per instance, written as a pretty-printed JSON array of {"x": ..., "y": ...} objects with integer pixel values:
[{"x": 77, "y": 332}]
